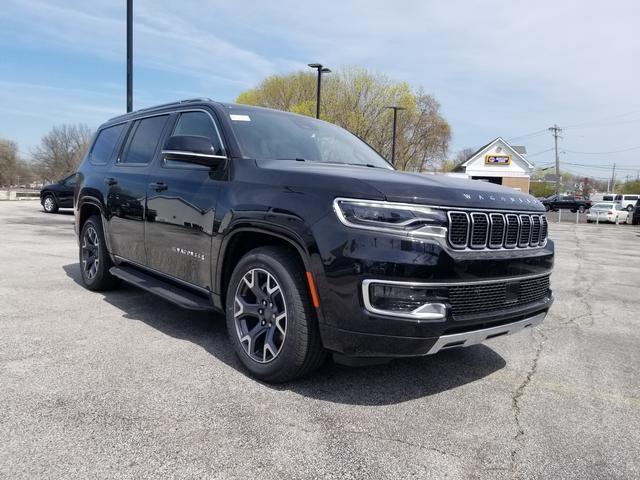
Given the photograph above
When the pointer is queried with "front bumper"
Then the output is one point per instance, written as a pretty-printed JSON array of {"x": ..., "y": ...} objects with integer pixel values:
[
  {"x": 348, "y": 258},
  {"x": 358, "y": 344}
]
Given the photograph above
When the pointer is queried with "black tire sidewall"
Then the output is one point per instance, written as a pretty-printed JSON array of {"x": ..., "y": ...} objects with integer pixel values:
[
  {"x": 102, "y": 274},
  {"x": 294, "y": 348}
]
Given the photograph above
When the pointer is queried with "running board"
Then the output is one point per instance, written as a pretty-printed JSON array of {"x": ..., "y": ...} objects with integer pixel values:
[{"x": 157, "y": 286}]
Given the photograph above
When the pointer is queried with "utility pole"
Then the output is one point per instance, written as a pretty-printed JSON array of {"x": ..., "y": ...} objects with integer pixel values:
[
  {"x": 613, "y": 178},
  {"x": 321, "y": 69},
  {"x": 395, "y": 109},
  {"x": 556, "y": 132},
  {"x": 129, "y": 56}
]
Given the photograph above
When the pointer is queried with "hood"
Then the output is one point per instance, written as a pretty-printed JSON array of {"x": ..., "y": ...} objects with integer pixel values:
[{"x": 416, "y": 188}]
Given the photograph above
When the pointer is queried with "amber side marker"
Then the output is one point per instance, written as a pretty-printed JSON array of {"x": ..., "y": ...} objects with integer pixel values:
[{"x": 312, "y": 288}]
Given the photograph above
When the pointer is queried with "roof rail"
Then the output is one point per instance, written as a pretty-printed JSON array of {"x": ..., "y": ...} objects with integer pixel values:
[{"x": 164, "y": 105}]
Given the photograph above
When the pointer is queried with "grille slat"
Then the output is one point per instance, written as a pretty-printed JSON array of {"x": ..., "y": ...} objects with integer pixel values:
[
  {"x": 535, "y": 230},
  {"x": 494, "y": 230},
  {"x": 481, "y": 298},
  {"x": 458, "y": 229},
  {"x": 496, "y": 235},
  {"x": 479, "y": 230},
  {"x": 525, "y": 231}
]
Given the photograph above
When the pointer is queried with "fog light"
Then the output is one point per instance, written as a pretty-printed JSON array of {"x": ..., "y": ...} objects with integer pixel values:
[{"x": 405, "y": 300}]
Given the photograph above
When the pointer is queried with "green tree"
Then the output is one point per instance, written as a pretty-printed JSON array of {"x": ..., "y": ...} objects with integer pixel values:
[
  {"x": 540, "y": 188},
  {"x": 61, "y": 150},
  {"x": 632, "y": 186},
  {"x": 355, "y": 99}
]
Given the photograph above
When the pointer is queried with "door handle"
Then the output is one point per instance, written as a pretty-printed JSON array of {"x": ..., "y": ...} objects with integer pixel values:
[
  {"x": 158, "y": 186},
  {"x": 110, "y": 181}
]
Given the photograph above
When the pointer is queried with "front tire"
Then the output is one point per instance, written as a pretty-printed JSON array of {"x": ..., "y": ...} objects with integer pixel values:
[
  {"x": 581, "y": 208},
  {"x": 49, "y": 204},
  {"x": 94, "y": 258},
  {"x": 270, "y": 319}
]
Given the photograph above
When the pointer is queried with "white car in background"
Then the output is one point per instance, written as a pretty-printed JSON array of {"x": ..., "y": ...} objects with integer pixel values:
[
  {"x": 628, "y": 202},
  {"x": 607, "y": 212}
]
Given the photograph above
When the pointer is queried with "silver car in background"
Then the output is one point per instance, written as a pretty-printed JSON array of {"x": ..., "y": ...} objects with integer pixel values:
[{"x": 607, "y": 212}]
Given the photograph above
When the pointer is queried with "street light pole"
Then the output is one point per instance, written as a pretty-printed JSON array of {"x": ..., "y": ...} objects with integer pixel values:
[
  {"x": 321, "y": 70},
  {"x": 395, "y": 109},
  {"x": 129, "y": 55}
]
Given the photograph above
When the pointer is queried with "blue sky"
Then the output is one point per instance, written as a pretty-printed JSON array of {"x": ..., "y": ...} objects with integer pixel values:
[{"x": 499, "y": 68}]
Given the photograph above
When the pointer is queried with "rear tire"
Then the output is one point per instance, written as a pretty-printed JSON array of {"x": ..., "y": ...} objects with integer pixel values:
[
  {"x": 94, "y": 258},
  {"x": 270, "y": 318},
  {"x": 49, "y": 204},
  {"x": 630, "y": 208}
]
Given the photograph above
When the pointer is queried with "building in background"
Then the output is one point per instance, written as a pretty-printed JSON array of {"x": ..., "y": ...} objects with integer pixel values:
[{"x": 500, "y": 163}]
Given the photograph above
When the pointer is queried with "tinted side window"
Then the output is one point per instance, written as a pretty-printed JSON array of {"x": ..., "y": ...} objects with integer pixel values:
[
  {"x": 631, "y": 197},
  {"x": 143, "y": 139},
  {"x": 198, "y": 123},
  {"x": 105, "y": 144}
]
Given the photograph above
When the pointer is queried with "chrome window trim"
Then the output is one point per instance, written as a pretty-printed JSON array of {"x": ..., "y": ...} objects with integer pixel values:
[
  {"x": 466, "y": 241},
  {"x": 191, "y": 154},
  {"x": 213, "y": 120}
]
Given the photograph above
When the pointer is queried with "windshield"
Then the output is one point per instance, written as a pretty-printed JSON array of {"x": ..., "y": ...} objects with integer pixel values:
[
  {"x": 268, "y": 134},
  {"x": 602, "y": 206}
]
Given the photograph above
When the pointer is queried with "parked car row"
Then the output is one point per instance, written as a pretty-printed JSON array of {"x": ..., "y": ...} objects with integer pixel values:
[{"x": 607, "y": 212}]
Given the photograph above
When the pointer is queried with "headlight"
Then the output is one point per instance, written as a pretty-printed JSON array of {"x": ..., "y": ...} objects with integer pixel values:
[{"x": 405, "y": 219}]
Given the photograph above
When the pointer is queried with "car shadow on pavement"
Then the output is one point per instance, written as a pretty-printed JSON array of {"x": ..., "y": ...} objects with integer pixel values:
[{"x": 398, "y": 381}]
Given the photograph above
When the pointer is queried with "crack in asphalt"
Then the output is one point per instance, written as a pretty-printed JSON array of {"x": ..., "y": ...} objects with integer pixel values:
[
  {"x": 517, "y": 396},
  {"x": 401, "y": 441},
  {"x": 366, "y": 433}
]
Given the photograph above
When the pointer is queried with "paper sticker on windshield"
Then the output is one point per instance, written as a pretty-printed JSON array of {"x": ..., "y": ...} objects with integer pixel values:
[{"x": 240, "y": 118}]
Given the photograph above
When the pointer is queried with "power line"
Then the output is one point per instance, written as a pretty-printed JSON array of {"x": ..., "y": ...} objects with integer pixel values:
[
  {"x": 604, "y": 153},
  {"x": 610, "y": 117},
  {"x": 540, "y": 153},
  {"x": 527, "y": 135}
]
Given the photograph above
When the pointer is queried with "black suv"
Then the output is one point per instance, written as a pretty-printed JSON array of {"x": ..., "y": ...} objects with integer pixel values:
[
  {"x": 305, "y": 237},
  {"x": 58, "y": 195}
]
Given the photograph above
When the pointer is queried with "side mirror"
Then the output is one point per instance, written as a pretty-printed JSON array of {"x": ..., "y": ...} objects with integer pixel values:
[{"x": 193, "y": 149}]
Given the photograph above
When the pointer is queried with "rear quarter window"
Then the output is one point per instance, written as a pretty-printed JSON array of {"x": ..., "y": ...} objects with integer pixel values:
[{"x": 105, "y": 144}]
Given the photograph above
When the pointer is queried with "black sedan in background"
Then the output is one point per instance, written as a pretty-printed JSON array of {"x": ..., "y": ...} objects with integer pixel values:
[{"x": 58, "y": 195}]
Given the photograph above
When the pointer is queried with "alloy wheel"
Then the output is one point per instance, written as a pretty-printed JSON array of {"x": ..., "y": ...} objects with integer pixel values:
[
  {"x": 48, "y": 204},
  {"x": 90, "y": 252},
  {"x": 260, "y": 315}
]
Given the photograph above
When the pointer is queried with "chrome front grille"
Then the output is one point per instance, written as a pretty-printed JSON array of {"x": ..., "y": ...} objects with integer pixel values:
[{"x": 495, "y": 230}]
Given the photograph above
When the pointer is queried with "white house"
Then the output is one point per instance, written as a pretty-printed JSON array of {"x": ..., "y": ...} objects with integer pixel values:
[{"x": 500, "y": 163}]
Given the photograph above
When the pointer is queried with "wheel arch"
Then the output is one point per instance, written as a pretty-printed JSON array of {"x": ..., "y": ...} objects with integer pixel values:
[{"x": 245, "y": 238}]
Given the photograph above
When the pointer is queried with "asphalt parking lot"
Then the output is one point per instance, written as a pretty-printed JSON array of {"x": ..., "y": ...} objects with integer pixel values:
[{"x": 124, "y": 385}]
